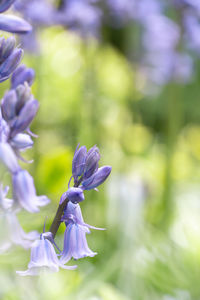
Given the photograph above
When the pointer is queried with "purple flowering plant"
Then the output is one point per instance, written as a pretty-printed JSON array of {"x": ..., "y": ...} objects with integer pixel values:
[{"x": 18, "y": 109}]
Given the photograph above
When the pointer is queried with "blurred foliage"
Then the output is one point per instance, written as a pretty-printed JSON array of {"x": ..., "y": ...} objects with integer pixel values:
[{"x": 89, "y": 94}]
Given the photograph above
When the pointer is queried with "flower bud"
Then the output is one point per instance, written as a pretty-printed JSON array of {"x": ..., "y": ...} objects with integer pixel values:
[
  {"x": 10, "y": 64},
  {"x": 78, "y": 162},
  {"x": 6, "y": 47},
  {"x": 21, "y": 75},
  {"x": 8, "y": 106},
  {"x": 92, "y": 160},
  {"x": 25, "y": 117},
  {"x": 23, "y": 93},
  {"x": 5, "y": 4},
  {"x": 21, "y": 141},
  {"x": 97, "y": 178},
  {"x": 75, "y": 195},
  {"x": 14, "y": 24}
]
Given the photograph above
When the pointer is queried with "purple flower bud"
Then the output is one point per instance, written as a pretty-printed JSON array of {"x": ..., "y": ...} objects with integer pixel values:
[
  {"x": 5, "y": 4},
  {"x": 6, "y": 47},
  {"x": 97, "y": 178},
  {"x": 23, "y": 93},
  {"x": 43, "y": 257},
  {"x": 78, "y": 162},
  {"x": 25, "y": 117},
  {"x": 4, "y": 130},
  {"x": 75, "y": 195},
  {"x": 10, "y": 64},
  {"x": 8, "y": 157},
  {"x": 24, "y": 192},
  {"x": 21, "y": 75},
  {"x": 21, "y": 141},
  {"x": 8, "y": 106},
  {"x": 92, "y": 160},
  {"x": 14, "y": 24}
]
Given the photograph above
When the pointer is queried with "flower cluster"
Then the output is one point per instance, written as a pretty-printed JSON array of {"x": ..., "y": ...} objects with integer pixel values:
[
  {"x": 87, "y": 175},
  {"x": 17, "y": 110},
  {"x": 167, "y": 58}
]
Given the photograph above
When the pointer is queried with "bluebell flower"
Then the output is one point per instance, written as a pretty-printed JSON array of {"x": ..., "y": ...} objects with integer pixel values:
[
  {"x": 11, "y": 233},
  {"x": 85, "y": 170},
  {"x": 91, "y": 162},
  {"x": 8, "y": 158},
  {"x": 24, "y": 192},
  {"x": 5, "y": 4},
  {"x": 21, "y": 141},
  {"x": 33, "y": 10},
  {"x": 19, "y": 108},
  {"x": 81, "y": 16},
  {"x": 43, "y": 258},
  {"x": 25, "y": 117},
  {"x": 14, "y": 24},
  {"x": 78, "y": 162},
  {"x": 10, "y": 57},
  {"x": 75, "y": 243},
  {"x": 73, "y": 194},
  {"x": 21, "y": 75},
  {"x": 121, "y": 11},
  {"x": 96, "y": 179}
]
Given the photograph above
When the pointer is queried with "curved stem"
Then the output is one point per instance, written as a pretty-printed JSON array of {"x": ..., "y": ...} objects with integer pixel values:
[{"x": 57, "y": 219}]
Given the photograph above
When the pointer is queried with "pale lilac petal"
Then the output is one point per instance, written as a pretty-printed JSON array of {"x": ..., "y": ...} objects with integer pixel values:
[
  {"x": 21, "y": 141},
  {"x": 24, "y": 192},
  {"x": 8, "y": 157},
  {"x": 14, "y": 24},
  {"x": 43, "y": 257}
]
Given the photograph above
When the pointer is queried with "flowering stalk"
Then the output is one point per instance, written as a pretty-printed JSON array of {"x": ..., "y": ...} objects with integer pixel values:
[
  {"x": 57, "y": 219},
  {"x": 85, "y": 170}
]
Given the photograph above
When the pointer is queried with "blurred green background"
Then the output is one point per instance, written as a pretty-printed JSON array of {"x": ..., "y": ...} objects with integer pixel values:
[{"x": 90, "y": 94}]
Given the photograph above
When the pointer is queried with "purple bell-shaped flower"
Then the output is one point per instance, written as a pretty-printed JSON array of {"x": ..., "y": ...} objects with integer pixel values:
[
  {"x": 43, "y": 258},
  {"x": 11, "y": 233},
  {"x": 75, "y": 243}
]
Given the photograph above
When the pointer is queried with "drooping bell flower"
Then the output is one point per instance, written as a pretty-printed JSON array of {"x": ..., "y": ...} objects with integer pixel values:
[
  {"x": 24, "y": 192},
  {"x": 75, "y": 243},
  {"x": 21, "y": 141},
  {"x": 73, "y": 194},
  {"x": 11, "y": 233},
  {"x": 8, "y": 158},
  {"x": 43, "y": 258}
]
